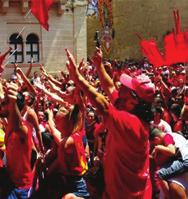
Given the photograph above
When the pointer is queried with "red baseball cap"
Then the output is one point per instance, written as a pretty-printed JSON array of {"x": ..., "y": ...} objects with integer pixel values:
[{"x": 141, "y": 84}]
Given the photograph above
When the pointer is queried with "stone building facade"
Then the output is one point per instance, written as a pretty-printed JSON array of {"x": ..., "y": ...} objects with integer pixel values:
[{"x": 21, "y": 31}]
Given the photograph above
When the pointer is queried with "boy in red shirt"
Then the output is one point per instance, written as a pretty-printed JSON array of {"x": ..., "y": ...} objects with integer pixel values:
[{"x": 18, "y": 141}]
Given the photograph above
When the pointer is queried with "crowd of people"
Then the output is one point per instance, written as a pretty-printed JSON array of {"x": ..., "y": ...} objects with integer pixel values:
[{"x": 101, "y": 129}]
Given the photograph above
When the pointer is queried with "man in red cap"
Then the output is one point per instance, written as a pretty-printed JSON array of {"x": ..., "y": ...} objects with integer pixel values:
[{"x": 126, "y": 159}]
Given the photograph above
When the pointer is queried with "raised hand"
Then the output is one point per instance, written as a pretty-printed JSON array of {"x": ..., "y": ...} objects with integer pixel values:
[
  {"x": 81, "y": 65},
  {"x": 15, "y": 66},
  {"x": 12, "y": 92},
  {"x": 50, "y": 114},
  {"x": 71, "y": 65},
  {"x": 18, "y": 70},
  {"x": 70, "y": 57},
  {"x": 97, "y": 58},
  {"x": 42, "y": 69}
]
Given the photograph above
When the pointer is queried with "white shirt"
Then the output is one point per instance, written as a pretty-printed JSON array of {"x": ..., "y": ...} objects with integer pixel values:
[{"x": 162, "y": 125}]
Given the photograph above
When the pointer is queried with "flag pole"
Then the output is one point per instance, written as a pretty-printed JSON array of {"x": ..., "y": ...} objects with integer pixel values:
[
  {"x": 25, "y": 17},
  {"x": 10, "y": 57},
  {"x": 20, "y": 32},
  {"x": 27, "y": 14}
]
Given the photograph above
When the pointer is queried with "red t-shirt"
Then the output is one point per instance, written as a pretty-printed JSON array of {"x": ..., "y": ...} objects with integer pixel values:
[
  {"x": 126, "y": 159},
  {"x": 168, "y": 139},
  {"x": 74, "y": 163},
  {"x": 18, "y": 153},
  {"x": 79, "y": 165},
  {"x": 161, "y": 158}
]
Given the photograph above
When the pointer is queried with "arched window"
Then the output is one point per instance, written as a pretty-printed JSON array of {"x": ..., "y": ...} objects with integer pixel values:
[
  {"x": 32, "y": 48},
  {"x": 16, "y": 42}
]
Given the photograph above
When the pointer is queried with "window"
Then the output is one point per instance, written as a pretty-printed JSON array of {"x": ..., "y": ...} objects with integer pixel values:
[
  {"x": 16, "y": 42},
  {"x": 32, "y": 48}
]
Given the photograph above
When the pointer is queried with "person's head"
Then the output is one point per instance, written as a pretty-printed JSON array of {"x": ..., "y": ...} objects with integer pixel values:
[
  {"x": 35, "y": 74},
  {"x": 176, "y": 109},
  {"x": 174, "y": 91},
  {"x": 41, "y": 116},
  {"x": 76, "y": 118},
  {"x": 69, "y": 120},
  {"x": 4, "y": 104},
  {"x": 156, "y": 136},
  {"x": 134, "y": 90},
  {"x": 158, "y": 113},
  {"x": 127, "y": 99},
  {"x": 158, "y": 101},
  {"x": 13, "y": 78},
  {"x": 29, "y": 98},
  {"x": 61, "y": 119},
  {"x": 165, "y": 77},
  {"x": 91, "y": 117}
]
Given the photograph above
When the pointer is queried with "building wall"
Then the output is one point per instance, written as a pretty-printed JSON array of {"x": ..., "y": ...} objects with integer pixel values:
[
  {"x": 66, "y": 31},
  {"x": 150, "y": 18}
]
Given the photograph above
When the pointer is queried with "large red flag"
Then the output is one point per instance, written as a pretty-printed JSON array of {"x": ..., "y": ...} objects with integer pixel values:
[{"x": 39, "y": 9}]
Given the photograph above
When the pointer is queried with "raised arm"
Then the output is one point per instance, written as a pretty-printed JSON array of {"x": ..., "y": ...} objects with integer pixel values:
[
  {"x": 98, "y": 100},
  {"x": 105, "y": 79},
  {"x": 33, "y": 119},
  {"x": 52, "y": 96},
  {"x": 14, "y": 117},
  {"x": 30, "y": 87},
  {"x": 50, "y": 77},
  {"x": 55, "y": 133}
]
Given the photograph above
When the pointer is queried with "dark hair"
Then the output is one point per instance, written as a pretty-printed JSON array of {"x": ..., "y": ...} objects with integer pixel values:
[
  {"x": 75, "y": 116},
  {"x": 157, "y": 109},
  {"x": 154, "y": 132},
  {"x": 143, "y": 111},
  {"x": 20, "y": 101},
  {"x": 176, "y": 109},
  {"x": 74, "y": 113}
]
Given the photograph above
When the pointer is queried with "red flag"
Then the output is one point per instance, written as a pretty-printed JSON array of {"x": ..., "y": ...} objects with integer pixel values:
[
  {"x": 170, "y": 49},
  {"x": 150, "y": 50},
  {"x": 39, "y": 9},
  {"x": 175, "y": 46}
]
